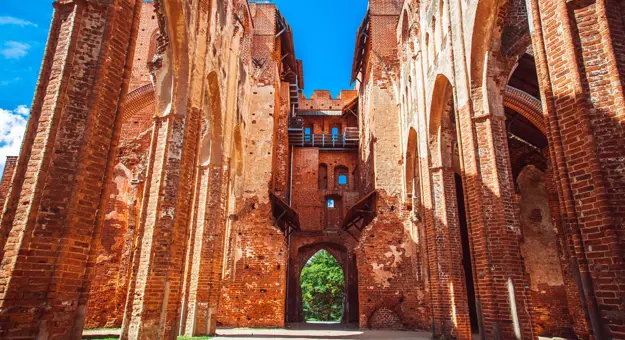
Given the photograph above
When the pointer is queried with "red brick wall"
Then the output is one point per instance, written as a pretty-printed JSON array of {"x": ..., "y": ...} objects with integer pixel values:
[
  {"x": 7, "y": 178},
  {"x": 322, "y": 100},
  {"x": 116, "y": 244},
  {"x": 145, "y": 47},
  {"x": 308, "y": 200},
  {"x": 55, "y": 201},
  {"x": 324, "y": 124},
  {"x": 254, "y": 282},
  {"x": 386, "y": 273}
]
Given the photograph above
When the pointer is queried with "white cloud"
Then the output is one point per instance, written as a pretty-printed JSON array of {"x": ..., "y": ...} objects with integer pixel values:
[
  {"x": 12, "y": 128},
  {"x": 14, "y": 50},
  {"x": 16, "y": 21}
]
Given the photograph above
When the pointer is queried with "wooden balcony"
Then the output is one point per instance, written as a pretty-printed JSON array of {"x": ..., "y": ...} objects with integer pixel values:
[{"x": 348, "y": 140}]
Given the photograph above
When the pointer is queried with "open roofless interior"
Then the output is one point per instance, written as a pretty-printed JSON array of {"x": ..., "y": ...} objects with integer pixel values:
[{"x": 174, "y": 180}]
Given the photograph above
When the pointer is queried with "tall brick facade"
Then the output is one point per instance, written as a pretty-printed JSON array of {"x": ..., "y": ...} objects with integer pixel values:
[{"x": 174, "y": 178}]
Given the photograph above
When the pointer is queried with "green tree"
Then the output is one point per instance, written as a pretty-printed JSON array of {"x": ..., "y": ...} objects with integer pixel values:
[{"x": 323, "y": 286}]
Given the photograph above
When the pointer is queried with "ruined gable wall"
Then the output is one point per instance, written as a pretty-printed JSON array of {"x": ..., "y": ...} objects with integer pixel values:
[
  {"x": 65, "y": 157},
  {"x": 254, "y": 282},
  {"x": 392, "y": 292}
]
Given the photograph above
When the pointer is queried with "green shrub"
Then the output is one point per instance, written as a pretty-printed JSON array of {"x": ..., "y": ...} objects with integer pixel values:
[{"x": 323, "y": 287}]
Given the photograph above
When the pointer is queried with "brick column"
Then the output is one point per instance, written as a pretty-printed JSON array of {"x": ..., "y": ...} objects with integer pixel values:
[
  {"x": 206, "y": 255},
  {"x": 153, "y": 309},
  {"x": 451, "y": 308},
  {"x": 501, "y": 279},
  {"x": 567, "y": 260},
  {"x": 50, "y": 220},
  {"x": 579, "y": 53}
]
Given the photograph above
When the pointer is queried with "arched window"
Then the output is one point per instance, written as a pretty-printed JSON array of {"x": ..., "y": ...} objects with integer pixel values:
[
  {"x": 341, "y": 177},
  {"x": 323, "y": 177},
  {"x": 405, "y": 31}
]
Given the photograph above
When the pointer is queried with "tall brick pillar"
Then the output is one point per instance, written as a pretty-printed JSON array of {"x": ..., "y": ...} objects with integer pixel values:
[
  {"x": 206, "y": 252},
  {"x": 153, "y": 307},
  {"x": 495, "y": 226},
  {"x": 579, "y": 53},
  {"x": 492, "y": 214},
  {"x": 52, "y": 211},
  {"x": 451, "y": 312}
]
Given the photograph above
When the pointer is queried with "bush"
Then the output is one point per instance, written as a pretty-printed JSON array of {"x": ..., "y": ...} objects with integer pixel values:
[{"x": 323, "y": 287}]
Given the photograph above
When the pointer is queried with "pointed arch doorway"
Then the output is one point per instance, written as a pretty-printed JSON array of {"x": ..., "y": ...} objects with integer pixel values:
[{"x": 307, "y": 298}]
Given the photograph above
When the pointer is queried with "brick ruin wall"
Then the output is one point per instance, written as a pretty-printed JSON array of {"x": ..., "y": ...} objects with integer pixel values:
[
  {"x": 253, "y": 289},
  {"x": 254, "y": 282},
  {"x": 399, "y": 270},
  {"x": 388, "y": 265},
  {"x": 116, "y": 245}
]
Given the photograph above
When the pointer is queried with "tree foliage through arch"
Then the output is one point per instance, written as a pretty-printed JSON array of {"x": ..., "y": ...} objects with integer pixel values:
[{"x": 323, "y": 287}]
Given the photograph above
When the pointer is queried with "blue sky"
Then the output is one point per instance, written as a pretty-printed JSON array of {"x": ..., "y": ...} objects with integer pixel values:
[
  {"x": 23, "y": 34},
  {"x": 325, "y": 36},
  {"x": 324, "y": 33}
]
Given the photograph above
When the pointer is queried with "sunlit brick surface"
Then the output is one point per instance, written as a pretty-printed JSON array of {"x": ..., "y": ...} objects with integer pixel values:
[{"x": 160, "y": 189}]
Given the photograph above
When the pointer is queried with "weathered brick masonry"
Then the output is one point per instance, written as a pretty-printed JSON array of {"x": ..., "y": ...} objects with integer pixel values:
[
  {"x": 7, "y": 177},
  {"x": 174, "y": 178}
]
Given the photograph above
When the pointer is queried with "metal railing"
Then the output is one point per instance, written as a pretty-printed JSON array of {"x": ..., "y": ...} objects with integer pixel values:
[{"x": 348, "y": 139}]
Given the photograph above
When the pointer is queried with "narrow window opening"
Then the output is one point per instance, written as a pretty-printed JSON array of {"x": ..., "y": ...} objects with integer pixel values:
[
  {"x": 308, "y": 131},
  {"x": 331, "y": 203},
  {"x": 341, "y": 177},
  {"x": 323, "y": 177}
]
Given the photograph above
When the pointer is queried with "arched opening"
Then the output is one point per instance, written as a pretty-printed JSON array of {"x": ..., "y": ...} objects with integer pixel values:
[
  {"x": 322, "y": 283},
  {"x": 413, "y": 180},
  {"x": 336, "y": 131},
  {"x": 456, "y": 263},
  {"x": 341, "y": 178},
  {"x": 405, "y": 30},
  {"x": 444, "y": 15},
  {"x": 538, "y": 206},
  {"x": 310, "y": 261},
  {"x": 216, "y": 120}
]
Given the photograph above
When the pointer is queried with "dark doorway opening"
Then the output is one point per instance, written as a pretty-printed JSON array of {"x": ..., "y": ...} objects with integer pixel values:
[
  {"x": 350, "y": 309},
  {"x": 466, "y": 256}
]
